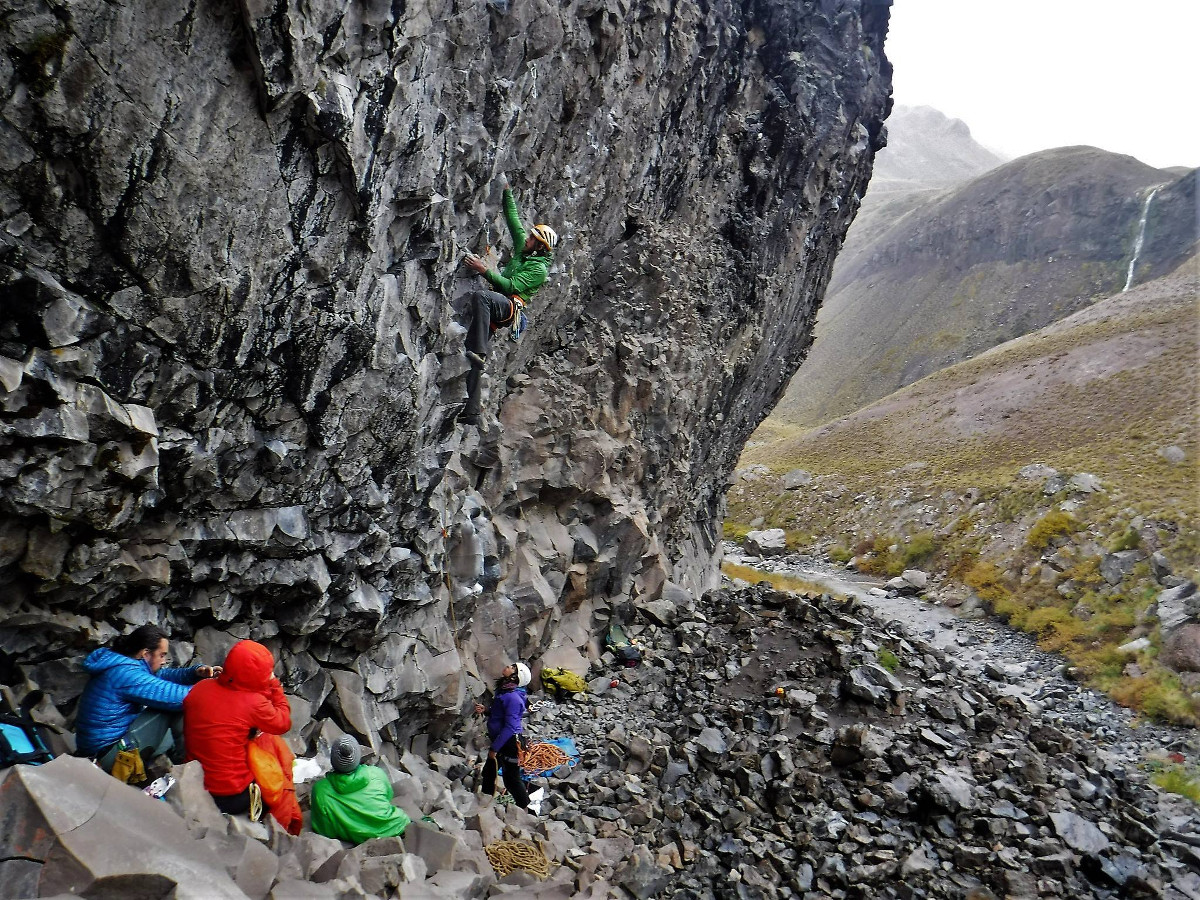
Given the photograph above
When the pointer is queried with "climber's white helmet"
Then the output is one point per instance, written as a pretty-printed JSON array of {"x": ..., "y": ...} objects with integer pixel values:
[
  {"x": 524, "y": 676},
  {"x": 546, "y": 235}
]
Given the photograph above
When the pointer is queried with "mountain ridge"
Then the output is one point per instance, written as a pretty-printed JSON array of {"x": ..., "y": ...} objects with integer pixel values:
[{"x": 997, "y": 256}]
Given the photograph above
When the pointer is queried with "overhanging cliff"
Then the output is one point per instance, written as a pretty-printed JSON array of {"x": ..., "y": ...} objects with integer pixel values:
[{"x": 231, "y": 349}]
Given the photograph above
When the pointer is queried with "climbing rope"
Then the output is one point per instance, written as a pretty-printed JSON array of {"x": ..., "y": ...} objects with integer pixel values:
[
  {"x": 508, "y": 855},
  {"x": 542, "y": 757}
]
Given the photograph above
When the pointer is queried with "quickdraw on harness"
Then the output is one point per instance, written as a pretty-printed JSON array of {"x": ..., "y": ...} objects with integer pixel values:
[{"x": 517, "y": 321}]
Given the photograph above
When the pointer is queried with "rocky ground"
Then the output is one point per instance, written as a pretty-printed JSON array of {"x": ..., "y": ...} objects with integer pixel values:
[
  {"x": 762, "y": 750},
  {"x": 1010, "y": 659}
]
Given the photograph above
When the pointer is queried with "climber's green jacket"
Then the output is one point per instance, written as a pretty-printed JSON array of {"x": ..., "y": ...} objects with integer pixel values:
[
  {"x": 524, "y": 273},
  {"x": 356, "y": 806}
]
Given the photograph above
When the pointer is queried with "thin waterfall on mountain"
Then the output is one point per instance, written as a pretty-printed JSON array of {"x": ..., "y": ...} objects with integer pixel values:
[{"x": 1137, "y": 244}]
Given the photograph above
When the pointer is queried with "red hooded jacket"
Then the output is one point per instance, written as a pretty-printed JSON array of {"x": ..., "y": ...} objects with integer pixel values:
[{"x": 218, "y": 720}]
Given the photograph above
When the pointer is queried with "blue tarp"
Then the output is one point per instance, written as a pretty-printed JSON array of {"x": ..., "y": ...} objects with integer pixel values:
[{"x": 565, "y": 744}]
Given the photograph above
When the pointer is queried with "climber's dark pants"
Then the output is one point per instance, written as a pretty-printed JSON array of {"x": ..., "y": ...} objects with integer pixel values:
[
  {"x": 511, "y": 771},
  {"x": 487, "y": 307}
]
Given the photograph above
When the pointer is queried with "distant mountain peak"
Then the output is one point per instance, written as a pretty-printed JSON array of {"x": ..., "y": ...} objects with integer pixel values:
[{"x": 928, "y": 149}]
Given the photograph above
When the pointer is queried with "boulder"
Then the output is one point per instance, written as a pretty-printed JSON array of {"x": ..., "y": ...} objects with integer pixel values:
[
  {"x": 855, "y": 743},
  {"x": 1177, "y": 606},
  {"x": 951, "y": 791},
  {"x": 712, "y": 744},
  {"x": 1078, "y": 833},
  {"x": 1172, "y": 454},
  {"x": 192, "y": 802},
  {"x": 1135, "y": 646},
  {"x": 641, "y": 876},
  {"x": 1085, "y": 483},
  {"x": 1181, "y": 649},
  {"x": 797, "y": 478},
  {"x": 435, "y": 848},
  {"x": 660, "y": 612},
  {"x": 772, "y": 542},
  {"x": 916, "y": 578},
  {"x": 1037, "y": 472},
  {"x": 100, "y": 834},
  {"x": 872, "y": 683},
  {"x": 1115, "y": 566}
]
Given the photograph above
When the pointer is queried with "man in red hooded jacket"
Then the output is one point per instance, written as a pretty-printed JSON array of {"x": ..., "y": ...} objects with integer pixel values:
[{"x": 219, "y": 721}]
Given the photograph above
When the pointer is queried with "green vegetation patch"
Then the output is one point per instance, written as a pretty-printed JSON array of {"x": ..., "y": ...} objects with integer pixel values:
[
  {"x": 1054, "y": 524},
  {"x": 783, "y": 582}
]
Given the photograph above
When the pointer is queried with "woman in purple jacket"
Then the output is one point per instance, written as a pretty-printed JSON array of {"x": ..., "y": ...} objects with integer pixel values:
[{"x": 504, "y": 724}]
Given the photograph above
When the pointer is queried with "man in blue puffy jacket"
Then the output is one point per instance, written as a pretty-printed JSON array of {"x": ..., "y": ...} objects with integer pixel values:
[{"x": 131, "y": 698}]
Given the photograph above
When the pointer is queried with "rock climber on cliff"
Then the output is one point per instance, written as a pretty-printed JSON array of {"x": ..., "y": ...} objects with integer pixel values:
[{"x": 514, "y": 286}]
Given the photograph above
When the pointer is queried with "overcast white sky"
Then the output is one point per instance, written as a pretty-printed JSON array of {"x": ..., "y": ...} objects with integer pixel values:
[{"x": 1028, "y": 75}]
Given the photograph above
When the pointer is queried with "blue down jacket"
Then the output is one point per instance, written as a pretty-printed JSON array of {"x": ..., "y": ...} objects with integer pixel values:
[{"x": 118, "y": 689}]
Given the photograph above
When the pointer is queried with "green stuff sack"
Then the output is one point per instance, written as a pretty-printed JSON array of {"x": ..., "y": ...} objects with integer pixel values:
[{"x": 562, "y": 682}]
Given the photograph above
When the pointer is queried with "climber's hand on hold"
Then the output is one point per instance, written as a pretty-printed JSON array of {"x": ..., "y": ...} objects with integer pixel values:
[{"x": 475, "y": 264}]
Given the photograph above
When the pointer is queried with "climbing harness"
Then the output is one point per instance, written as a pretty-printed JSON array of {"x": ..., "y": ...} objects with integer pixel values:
[
  {"x": 542, "y": 757},
  {"x": 505, "y": 856}
]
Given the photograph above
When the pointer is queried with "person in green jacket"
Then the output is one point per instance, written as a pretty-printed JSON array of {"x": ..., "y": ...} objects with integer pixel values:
[
  {"x": 354, "y": 801},
  {"x": 514, "y": 286}
]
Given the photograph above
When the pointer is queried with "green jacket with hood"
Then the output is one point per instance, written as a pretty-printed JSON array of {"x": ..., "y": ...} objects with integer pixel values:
[
  {"x": 356, "y": 806},
  {"x": 522, "y": 275}
]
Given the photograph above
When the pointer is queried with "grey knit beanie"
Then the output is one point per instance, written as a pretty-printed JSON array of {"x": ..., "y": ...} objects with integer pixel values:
[{"x": 345, "y": 754}]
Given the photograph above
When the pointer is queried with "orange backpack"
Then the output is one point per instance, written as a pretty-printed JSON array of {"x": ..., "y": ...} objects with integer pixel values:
[{"x": 270, "y": 762}]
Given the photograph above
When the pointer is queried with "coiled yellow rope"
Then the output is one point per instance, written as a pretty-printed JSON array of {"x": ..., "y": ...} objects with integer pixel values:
[
  {"x": 542, "y": 757},
  {"x": 508, "y": 855}
]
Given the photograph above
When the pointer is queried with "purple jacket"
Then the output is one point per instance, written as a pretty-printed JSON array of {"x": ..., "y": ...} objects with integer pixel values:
[{"x": 504, "y": 718}]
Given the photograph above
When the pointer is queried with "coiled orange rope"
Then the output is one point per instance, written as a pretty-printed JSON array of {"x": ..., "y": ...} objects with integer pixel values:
[{"x": 542, "y": 757}]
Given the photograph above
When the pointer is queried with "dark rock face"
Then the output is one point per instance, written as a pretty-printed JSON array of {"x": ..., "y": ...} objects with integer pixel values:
[{"x": 230, "y": 355}]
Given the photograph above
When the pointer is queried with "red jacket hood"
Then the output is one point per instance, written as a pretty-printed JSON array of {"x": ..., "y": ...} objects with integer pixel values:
[{"x": 249, "y": 666}]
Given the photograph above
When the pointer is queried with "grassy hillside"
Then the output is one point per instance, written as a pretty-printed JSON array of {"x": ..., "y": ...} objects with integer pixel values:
[
  {"x": 929, "y": 279},
  {"x": 931, "y": 475}
]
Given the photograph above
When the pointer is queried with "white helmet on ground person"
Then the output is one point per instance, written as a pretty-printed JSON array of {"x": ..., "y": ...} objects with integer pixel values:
[{"x": 524, "y": 676}]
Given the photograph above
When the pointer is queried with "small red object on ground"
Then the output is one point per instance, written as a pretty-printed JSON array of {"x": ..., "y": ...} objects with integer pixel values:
[{"x": 614, "y": 683}]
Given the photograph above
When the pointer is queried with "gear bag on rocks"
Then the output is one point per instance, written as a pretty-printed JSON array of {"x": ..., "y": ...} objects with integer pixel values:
[
  {"x": 21, "y": 741},
  {"x": 562, "y": 682},
  {"x": 626, "y": 653}
]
